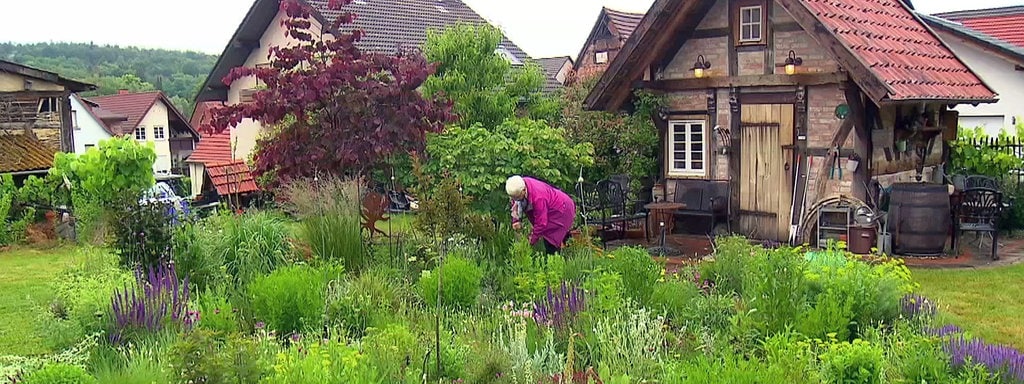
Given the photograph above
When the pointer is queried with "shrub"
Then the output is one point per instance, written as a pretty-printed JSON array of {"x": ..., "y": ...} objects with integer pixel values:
[
  {"x": 60, "y": 374},
  {"x": 142, "y": 233},
  {"x": 322, "y": 362},
  {"x": 329, "y": 210},
  {"x": 732, "y": 256},
  {"x": 774, "y": 288},
  {"x": 856, "y": 362},
  {"x": 217, "y": 314},
  {"x": 674, "y": 298},
  {"x": 632, "y": 341},
  {"x": 7, "y": 194},
  {"x": 393, "y": 349},
  {"x": 606, "y": 292},
  {"x": 638, "y": 270},
  {"x": 460, "y": 283},
  {"x": 369, "y": 300},
  {"x": 200, "y": 357},
  {"x": 252, "y": 244},
  {"x": 82, "y": 294},
  {"x": 194, "y": 256},
  {"x": 291, "y": 299}
]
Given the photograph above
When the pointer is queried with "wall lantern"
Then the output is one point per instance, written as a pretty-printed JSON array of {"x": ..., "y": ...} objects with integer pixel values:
[
  {"x": 792, "y": 62},
  {"x": 700, "y": 66}
]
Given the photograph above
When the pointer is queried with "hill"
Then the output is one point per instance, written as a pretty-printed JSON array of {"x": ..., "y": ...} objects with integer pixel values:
[{"x": 178, "y": 73}]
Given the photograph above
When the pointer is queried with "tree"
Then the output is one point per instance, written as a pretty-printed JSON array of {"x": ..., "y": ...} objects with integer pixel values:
[
  {"x": 485, "y": 87},
  {"x": 623, "y": 143},
  {"x": 339, "y": 110}
]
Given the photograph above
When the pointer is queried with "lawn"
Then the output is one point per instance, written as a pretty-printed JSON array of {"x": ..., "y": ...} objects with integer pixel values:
[
  {"x": 985, "y": 302},
  {"x": 25, "y": 275}
]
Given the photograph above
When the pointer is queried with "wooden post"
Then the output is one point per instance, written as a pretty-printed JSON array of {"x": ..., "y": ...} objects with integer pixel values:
[{"x": 862, "y": 146}]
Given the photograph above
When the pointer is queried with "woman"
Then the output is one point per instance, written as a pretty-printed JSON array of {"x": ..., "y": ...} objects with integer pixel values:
[{"x": 550, "y": 210}]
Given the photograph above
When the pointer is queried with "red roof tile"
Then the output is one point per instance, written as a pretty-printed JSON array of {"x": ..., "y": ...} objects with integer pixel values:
[
  {"x": 201, "y": 115},
  {"x": 133, "y": 105},
  {"x": 23, "y": 153},
  {"x": 1006, "y": 23},
  {"x": 212, "y": 149},
  {"x": 623, "y": 22},
  {"x": 232, "y": 178},
  {"x": 899, "y": 50}
]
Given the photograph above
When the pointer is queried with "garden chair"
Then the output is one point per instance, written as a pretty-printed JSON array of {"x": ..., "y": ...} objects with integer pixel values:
[
  {"x": 979, "y": 181},
  {"x": 979, "y": 212},
  {"x": 606, "y": 206}
]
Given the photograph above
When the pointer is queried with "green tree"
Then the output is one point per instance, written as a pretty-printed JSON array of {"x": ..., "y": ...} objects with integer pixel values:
[{"x": 485, "y": 87}]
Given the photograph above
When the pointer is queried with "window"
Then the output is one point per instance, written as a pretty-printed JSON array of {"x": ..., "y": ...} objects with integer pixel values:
[
  {"x": 158, "y": 133},
  {"x": 74, "y": 120},
  {"x": 140, "y": 133},
  {"x": 688, "y": 148},
  {"x": 87, "y": 146},
  {"x": 601, "y": 57},
  {"x": 751, "y": 24},
  {"x": 49, "y": 104}
]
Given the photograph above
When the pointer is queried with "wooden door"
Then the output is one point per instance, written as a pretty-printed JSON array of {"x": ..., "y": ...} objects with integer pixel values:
[{"x": 766, "y": 171}]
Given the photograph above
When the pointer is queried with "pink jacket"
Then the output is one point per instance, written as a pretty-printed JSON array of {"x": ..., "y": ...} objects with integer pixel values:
[{"x": 550, "y": 210}]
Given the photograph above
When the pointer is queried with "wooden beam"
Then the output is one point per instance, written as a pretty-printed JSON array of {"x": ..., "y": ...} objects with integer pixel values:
[
  {"x": 665, "y": 56},
  {"x": 867, "y": 81},
  {"x": 837, "y": 140},
  {"x": 745, "y": 81},
  {"x": 768, "y": 98},
  {"x": 708, "y": 33},
  {"x": 862, "y": 146},
  {"x": 32, "y": 94}
]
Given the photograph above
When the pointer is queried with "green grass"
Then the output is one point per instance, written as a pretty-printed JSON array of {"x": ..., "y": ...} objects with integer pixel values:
[
  {"x": 985, "y": 302},
  {"x": 25, "y": 275}
]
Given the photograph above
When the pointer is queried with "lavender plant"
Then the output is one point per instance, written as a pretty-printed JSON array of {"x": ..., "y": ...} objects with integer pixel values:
[
  {"x": 157, "y": 300},
  {"x": 1002, "y": 361},
  {"x": 559, "y": 308},
  {"x": 915, "y": 306}
]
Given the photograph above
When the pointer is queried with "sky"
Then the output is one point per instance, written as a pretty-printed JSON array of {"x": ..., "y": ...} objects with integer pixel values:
[{"x": 543, "y": 28}]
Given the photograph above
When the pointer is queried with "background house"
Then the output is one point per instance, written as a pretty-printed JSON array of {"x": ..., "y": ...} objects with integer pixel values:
[
  {"x": 90, "y": 123},
  {"x": 387, "y": 24},
  {"x": 998, "y": 58},
  {"x": 757, "y": 89},
  {"x": 37, "y": 102},
  {"x": 557, "y": 70},
  {"x": 151, "y": 117},
  {"x": 609, "y": 34}
]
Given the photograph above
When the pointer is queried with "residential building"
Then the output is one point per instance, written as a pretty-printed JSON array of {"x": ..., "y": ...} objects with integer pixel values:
[
  {"x": 765, "y": 94},
  {"x": 34, "y": 104},
  {"x": 609, "y": 34},
  {"x": 151, "y": 117},
  {"x": 90, "y": 123},
  {"x": 387, "y": 25},
  {"x": 998, "y": 62},
  {"x": 1003, "y": 23},
  {"x": 557, "y": 70}
]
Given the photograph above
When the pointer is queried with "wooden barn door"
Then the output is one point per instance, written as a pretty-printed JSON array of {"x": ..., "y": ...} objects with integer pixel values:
[{"x": 766, "y": 172}]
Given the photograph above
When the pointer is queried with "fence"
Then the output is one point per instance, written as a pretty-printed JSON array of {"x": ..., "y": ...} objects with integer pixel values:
[{"x": 1013, "y": 146}]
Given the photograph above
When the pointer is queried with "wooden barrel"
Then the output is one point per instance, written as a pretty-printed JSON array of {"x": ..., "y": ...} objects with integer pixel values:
[{"x": 919, "y": 219}]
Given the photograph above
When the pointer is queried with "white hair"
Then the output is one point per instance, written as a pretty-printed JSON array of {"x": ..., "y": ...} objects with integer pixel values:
[{"x": 515, "y": 186}]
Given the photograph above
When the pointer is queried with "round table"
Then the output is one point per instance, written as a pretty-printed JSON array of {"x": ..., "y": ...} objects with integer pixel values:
[{"x": 662, "y": 212}]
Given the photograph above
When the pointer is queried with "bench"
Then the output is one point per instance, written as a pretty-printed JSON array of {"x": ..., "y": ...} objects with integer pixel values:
[
  {"x": 607, "y": 206},
  {"x": 704, "y": 198}
]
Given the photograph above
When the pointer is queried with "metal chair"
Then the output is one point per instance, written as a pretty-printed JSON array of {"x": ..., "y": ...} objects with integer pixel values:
[
  {"x": 978, "y": 212},
  {"x": 979, "y": 181},
  {"x": 607, "y": 206}
]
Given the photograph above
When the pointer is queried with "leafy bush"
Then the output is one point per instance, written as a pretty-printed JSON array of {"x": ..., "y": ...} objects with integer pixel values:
[
  {"x": 291, "y": 299},
  {"x": 322, "y": 362},
  {"x": 7, "y": 194},
  {"x": 60, "y": 374},
  {"x": 774, "y": 288},
  {"x": 142, "y": 234},
  {"x": 460, "y": 283},
  {"x": 632, "y": 342},
  {"x": 216, "y": 313},
  {"x": 329, "y": 210},
  {"x": 638, "y": 270},
  {"x": 866, "y": 294},
  {"x": 393, "y": 349},
  {"x": 252, "y": 244},
  {"x": 674, "y": 298},
  {"x": 852, "y": 362},
  {"x": 607, "y": 292},
  {"x": 82, "y": 294},
  {"x": 732, "y": 255},
  {"x": 371, "y": 299},
  {"x": 194, "y": 255},
  {"x": 201, "y": 357}
]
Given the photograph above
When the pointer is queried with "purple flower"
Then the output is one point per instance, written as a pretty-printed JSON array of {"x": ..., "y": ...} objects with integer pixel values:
[
  {"x": 260, "y": 325},
  {"x": 1000, "y": 360},
  {"x": 917, "y": 306},
  {"x": 945, "y": 330},
  {"x": 559, "y": 309},
  {"x": 156, "y": 300}
]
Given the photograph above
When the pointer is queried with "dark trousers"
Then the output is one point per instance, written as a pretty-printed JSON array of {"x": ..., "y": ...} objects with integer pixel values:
[{"x": 551, "y": 249}]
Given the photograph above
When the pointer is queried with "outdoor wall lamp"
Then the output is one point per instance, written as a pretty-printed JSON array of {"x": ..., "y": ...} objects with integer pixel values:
[
  {"x": 792, "y": 62},
  {"x": 700, "y": 66}
]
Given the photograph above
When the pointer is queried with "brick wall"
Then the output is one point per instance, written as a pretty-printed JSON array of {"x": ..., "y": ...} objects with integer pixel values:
[
  {"x": 715, "y": 51},
  {"x": 822, "y": 123},
  {"x": 750, "y": 63},
  {"x": 687, "y": 101},
  {"x": 586, "y": 61},
  {"x": 815, "y": 58}
]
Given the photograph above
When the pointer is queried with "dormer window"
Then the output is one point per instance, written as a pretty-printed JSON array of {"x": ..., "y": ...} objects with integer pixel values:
[{"x": 750, "y": 23}]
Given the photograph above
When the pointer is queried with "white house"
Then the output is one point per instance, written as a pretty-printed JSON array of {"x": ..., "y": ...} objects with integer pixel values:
[
  {"x": 88, "y": 124},
  {"x": 999, "y": 64},
  {"x": 150, "y": 117}
]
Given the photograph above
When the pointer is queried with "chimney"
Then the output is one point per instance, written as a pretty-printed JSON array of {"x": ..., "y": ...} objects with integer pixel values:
[{"x": 122, "y": 91}]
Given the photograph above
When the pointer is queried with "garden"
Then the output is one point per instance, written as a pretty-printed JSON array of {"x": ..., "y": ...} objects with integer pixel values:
[{"x": 295, "y": 290}]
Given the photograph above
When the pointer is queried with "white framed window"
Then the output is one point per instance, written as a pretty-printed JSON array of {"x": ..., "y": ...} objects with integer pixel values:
[
  {"x": 751, "y": 24},
  {"x": 140, "y": 133},
  {"x": 601, "y": 57},
  {"x": 687, "y": 148},
  {"x": 159, "y": 133}
]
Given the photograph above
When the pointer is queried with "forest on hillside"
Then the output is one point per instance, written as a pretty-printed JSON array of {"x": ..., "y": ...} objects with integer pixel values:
[{"x": 178, "y": 74}]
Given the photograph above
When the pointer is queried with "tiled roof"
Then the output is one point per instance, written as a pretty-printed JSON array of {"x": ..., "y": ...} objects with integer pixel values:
[
  {"x": 551, "y": 66},
  {"x": 23, "y": 153},
  {"x": 231, "y": 178},
  {"x": 101, "y": 116},
  {"x": 132, "y": 105},
  {"x": 200, "y": 115},
  {"x": 623, "y": 22},
  {"x": 388, "y": 24},
  {"x": 1005, "y": 23},
  {"x": 24, "y": 70},
  {"x": 938, "y": 22},
  {"x": 212, "y": 149},
  {"x": 912, "y": 62}
]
